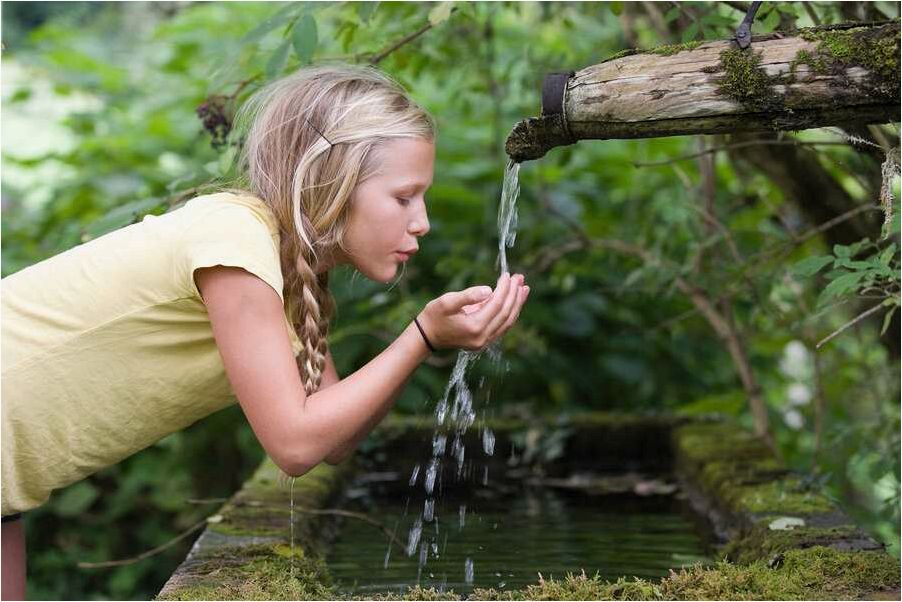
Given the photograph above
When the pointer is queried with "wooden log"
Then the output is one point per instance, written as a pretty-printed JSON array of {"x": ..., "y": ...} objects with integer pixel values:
[{"x": 835, "y": 75}]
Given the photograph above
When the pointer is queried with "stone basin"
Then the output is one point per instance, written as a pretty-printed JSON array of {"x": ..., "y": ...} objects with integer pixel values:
[{"x": 771, "y": 537}]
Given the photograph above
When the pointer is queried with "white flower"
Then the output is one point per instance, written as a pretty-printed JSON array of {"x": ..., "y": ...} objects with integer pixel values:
[
  {"x": 793, "y": 419},
  {"x": 798, "y": 394},
  {"x": 796, "y": 361}
]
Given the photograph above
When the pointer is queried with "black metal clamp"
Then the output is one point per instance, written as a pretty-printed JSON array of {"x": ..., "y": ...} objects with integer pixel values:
[
  {"x": 553, "y": 87},
  {"x": 743, "y": 35}
]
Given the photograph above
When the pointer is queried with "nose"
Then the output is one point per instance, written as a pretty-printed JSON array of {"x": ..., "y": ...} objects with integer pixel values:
[{"x": 419, "y": 225}]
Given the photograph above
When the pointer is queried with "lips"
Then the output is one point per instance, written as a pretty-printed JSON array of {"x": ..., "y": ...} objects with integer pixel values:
[{"x": 407, "y": 254}]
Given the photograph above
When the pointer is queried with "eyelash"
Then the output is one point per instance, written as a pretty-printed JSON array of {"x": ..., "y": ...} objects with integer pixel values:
[{"x": 403, "y": 201}]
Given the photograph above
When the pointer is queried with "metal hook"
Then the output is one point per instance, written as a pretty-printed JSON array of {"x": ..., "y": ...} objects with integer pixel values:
[{"x": 744, "y": 33}]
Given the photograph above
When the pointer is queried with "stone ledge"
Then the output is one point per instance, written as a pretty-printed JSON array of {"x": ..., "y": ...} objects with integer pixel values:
[{"x": 246, "y": 555}]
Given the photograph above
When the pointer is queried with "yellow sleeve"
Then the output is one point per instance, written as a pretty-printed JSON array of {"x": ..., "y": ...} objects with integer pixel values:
[{"x": 231, "y": 235}]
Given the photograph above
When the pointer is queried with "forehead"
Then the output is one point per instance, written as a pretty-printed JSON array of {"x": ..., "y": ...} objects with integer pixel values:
[{"x": 407, "y": 162}]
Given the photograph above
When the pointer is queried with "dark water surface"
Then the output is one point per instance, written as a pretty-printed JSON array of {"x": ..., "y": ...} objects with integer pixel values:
[{"x": 511, "y": 534}]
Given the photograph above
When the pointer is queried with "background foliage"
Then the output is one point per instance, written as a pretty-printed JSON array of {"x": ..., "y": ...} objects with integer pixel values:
[{"x": 602, "y": 330}]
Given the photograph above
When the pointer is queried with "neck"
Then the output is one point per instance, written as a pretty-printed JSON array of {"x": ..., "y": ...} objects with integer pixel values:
[{"x": 328, "y": 260}]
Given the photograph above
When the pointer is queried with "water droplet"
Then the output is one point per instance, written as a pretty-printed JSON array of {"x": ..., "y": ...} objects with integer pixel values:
[
  {"x": 438, "y": 445},
  {"x": 488, "y": 442},
  {"x": 429, "y": 510},
  {"x": 414, "y": 475},
  {"x": 468, "y": 571},
  {"x": 413, "y": 536},
  {"x": 431, "y": 473},
  {"x": 423, "y": 553},
  {"x": 463, "y": 516}
]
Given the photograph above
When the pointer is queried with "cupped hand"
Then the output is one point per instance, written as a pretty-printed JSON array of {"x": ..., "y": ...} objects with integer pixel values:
[{"x": 475, "y": 317}]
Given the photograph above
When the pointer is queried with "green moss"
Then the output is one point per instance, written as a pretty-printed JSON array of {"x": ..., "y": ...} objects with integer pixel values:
[
  {"x": 761, "y": 543},
  {"x": 671, "y": 49},
  {"x": 262, "y": 507},
  {"x": 740, "y": 473},
  {"x": 873, "y": 48},
  {"x": 745, "y": 81},
  {"x": 623, "y": 53},
  {"x": 256, "y": 573},
  {"x": 816, "y": 573},
  {"x": 814, "y": 61}
]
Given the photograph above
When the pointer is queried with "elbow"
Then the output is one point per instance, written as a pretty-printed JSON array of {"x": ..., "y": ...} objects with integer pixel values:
[{"x": 295, "y": 463}]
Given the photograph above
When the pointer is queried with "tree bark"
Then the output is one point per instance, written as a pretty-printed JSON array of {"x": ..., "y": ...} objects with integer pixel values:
[{"x": 836, "y": 75}]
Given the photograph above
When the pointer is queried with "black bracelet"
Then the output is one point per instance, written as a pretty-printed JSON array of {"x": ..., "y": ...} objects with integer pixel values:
[{"x": 423, "y": 332}]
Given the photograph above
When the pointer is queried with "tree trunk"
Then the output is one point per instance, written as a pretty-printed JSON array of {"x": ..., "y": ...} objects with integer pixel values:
[{"x": 835, "y": 75}]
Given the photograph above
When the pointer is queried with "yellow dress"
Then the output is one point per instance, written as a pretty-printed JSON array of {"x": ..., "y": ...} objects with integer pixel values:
[{"x": 107, "y": 347}]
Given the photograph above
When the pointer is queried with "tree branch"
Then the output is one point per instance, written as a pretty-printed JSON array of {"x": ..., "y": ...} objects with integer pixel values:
[
  {"x": 376, "y": 58},
  {"x": 144, "y": 555},
  {"x": 848, "y": 325}
]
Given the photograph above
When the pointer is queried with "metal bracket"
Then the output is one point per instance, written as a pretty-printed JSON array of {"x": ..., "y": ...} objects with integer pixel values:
[
  {"x": 553, "y": 87},
  {"x": 743, "y": 35}
]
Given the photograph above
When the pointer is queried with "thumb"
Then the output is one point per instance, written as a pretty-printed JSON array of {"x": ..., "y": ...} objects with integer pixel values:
[{"x": 469, "y": 296}]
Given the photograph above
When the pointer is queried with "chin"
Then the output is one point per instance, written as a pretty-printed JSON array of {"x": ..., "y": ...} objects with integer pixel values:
[{"x": 383, "y": 276}]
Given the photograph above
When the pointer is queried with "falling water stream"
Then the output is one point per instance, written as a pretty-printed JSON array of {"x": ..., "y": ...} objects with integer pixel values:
[{"x": 455, "y": 413}]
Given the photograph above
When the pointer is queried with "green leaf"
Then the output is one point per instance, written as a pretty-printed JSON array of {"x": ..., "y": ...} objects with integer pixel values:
[
  {"x": 841, "y": 250},
  {"x": 672, "y": 14},
  {"x": 771, "y": 21},
  {"x": 440, "y": 13},
  {"x": 76, "y": 499},
  {"x": 276, "y": 62},
  {"x": 278, "y": 18},
  {"x": 690, "y": 32},
  {"x": 365, "y": 10},
  {"x": 887, "y": 255},
  {"x": 616, "y": 7},
  {"x": 304, "y": 39},
  {"x": 842, "y": 285},
  {"x": 811, "y": 265}
]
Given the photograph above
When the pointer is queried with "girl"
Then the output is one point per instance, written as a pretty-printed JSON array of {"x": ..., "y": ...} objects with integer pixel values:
[{"x": 114, "y": 344}]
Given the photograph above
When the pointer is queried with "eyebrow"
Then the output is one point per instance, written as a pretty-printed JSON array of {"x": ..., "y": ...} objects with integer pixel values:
[{"x": 411, "y": 187}]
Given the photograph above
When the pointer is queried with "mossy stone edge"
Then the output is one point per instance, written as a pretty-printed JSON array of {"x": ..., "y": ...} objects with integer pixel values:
[{"x": 245, "y": 555}]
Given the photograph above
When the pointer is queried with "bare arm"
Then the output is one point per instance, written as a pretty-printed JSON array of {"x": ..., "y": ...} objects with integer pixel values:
[
  {"x": 344, "y": 450},
  {"x": 299, "y": 431}
]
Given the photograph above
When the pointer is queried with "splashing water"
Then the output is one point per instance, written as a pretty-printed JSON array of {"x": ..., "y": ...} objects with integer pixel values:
[{"x": 454, "y": 413}]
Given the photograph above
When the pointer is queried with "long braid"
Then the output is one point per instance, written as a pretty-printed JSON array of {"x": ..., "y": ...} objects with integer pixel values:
[{"x": 310, "y": 307}]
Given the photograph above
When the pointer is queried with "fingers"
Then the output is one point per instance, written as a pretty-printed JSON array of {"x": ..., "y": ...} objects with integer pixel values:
[
  {"x": 510, "y": 295},
  {"x": 467, "y": 297},
  {"x": 495, "y": 304},
  {"x": 518, "y": 307}
]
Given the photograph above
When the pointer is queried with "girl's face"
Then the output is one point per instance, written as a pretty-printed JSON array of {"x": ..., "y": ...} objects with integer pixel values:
[{"x": 388, "y": 210}]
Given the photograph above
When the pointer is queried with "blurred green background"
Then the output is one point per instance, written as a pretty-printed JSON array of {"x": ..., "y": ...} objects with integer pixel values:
[{"x": 100, "y": 127}]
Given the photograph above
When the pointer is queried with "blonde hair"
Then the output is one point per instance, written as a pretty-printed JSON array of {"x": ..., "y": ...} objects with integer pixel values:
[{"x": 312, "y": 137}]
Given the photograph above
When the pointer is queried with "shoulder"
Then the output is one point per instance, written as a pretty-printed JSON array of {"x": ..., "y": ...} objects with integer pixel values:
[
  {"x": 231, "y": 208},
  {"x": 226, "y": 229}
]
